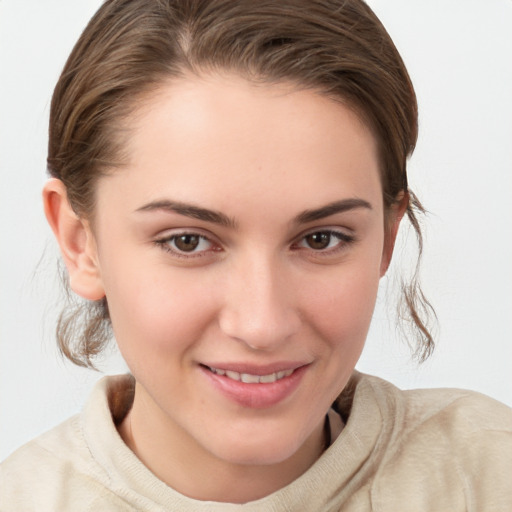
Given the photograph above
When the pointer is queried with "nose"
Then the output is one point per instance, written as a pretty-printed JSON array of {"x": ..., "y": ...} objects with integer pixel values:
[{"x": 259, "y": 306}]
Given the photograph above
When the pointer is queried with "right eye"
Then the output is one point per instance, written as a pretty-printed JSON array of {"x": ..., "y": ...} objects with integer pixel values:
[{"x": 186, "y": 244}]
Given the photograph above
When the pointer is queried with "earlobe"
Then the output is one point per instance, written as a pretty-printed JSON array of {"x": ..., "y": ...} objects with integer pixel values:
[
  {"x": 76, "y": 241},
  {"x": 394, "y": 217}
]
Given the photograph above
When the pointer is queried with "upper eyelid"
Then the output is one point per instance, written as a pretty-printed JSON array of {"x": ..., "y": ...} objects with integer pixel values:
[
  {"x": 168, "y": 234},
  {"x": 347, "y": 232}
]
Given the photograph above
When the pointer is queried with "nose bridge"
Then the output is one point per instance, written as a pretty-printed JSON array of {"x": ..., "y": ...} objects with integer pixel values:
[{"x": 259, "y": 303}]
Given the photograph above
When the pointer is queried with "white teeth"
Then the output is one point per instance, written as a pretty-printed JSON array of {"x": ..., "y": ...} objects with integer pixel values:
[
  {"x": 248, "y": 378},
  {"x": 268, "y": 378}
]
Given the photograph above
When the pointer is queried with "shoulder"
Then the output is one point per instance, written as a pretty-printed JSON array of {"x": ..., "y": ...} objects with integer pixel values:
[
  {"x": 473, "y": 430},
  {"x": 459, "y": 411},
  {"x": 51, "y": 471},
  {"x": 446, "y": 444},
  {"x": 453, "y": 410},
  {"x": 31, "y": 476}
]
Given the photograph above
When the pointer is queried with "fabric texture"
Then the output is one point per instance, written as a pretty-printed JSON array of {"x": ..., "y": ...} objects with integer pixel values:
[{"x": 421, "y": 450}]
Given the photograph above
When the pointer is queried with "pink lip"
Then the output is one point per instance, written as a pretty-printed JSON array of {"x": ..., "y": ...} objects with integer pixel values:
[{"x": 256, "y": 396}]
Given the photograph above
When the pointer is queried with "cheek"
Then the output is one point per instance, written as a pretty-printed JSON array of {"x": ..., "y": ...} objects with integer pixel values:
[
  {"x": 341, "y": 307},
  {"x": 156, "y": 312}
]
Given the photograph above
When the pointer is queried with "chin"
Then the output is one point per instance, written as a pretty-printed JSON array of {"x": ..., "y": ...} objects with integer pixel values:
[{"x": 257, "y": 450}]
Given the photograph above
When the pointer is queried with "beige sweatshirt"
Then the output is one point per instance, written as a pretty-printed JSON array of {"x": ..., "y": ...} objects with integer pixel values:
[{"x": 423, "y": 450}]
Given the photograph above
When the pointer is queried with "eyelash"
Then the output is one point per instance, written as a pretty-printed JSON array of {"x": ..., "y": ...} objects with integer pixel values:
[
  {"x": 343, "y": 240},
  {"x": 164, "y": 244}
]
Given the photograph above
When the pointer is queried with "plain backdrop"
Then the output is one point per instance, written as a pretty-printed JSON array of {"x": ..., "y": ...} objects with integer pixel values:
[{"x": 459, "y": 54}]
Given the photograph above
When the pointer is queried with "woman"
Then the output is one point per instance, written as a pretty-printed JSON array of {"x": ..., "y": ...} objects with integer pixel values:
[{"x": 228, "y": 180}]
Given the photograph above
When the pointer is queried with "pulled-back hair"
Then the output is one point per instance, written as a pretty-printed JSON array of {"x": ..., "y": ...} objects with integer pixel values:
[{"x": 130, "y": 47}]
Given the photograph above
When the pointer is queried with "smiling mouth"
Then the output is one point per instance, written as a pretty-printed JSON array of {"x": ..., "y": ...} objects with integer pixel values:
[
  {"x": 249, "y": 378},
  {"x": 255, "y": 386}
]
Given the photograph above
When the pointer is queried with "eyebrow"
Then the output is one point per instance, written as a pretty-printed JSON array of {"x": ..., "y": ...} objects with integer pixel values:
[
  {"x": 189, "y": 210},
  {"x": 207, "y": 215},
  {"x": 331, "y": 209}
]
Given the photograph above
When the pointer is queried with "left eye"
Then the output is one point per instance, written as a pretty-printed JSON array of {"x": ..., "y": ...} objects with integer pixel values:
[
  {"x": 323, "y": 240},
  {"x": 186, "y": 243}
]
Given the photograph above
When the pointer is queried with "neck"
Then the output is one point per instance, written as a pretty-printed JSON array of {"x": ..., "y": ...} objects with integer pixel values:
[{"x": 179, "y": 461}]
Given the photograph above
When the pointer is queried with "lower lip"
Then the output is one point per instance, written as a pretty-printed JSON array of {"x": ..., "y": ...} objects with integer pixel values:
[{"x": 256, "y": 396}]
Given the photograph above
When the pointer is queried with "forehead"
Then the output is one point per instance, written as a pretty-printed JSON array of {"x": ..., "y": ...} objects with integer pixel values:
[{"x": 222, "y": 136}]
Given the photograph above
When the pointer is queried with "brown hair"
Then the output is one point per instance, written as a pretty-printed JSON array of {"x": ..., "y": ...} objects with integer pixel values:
[{"x": 337, "y": 47}]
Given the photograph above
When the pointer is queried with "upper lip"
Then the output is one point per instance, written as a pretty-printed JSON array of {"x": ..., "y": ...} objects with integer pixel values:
[{"x": 256, "y": 369}]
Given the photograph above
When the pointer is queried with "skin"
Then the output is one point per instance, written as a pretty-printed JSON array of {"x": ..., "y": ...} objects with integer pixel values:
[{"x": 256, "y": 290}]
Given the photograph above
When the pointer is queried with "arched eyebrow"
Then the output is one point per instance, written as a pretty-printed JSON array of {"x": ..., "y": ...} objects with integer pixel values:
[
  {"x": 341, "y": 206},
  {"x": 207, "y": 215},
  {"x": 190, "y": 210}
]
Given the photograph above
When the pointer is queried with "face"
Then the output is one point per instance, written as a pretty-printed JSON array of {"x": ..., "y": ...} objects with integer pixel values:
[{"x": 240, "y": 251}]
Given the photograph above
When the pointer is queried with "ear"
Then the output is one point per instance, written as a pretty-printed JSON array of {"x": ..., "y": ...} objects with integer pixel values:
[
  {"x": 392, "y": 223},
  {"x": 76, "y": 241}
]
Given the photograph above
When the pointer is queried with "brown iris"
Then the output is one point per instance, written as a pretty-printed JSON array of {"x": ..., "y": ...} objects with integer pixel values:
[
  {"x": 187, "y": 243},
  {"x": 318, "y": 241}
]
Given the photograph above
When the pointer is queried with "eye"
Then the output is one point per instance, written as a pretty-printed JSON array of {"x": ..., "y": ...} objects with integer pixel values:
[
  {"x": 189, "y": 242},
  {"x": 184, "y": 244},
  {"x": 326, "y": 240}
]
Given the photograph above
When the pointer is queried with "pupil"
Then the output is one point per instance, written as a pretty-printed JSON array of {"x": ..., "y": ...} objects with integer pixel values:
[
  {"x": 187, "y": 243},
  {"x": 318, "y": 240}
]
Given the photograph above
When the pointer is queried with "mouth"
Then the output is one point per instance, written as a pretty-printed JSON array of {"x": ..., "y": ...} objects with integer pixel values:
[
  {"x": 255, "y": 387},
  {"x": 250, "y": 378}
]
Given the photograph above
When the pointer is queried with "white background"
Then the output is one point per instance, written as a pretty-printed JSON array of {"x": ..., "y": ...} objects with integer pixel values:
[{"x": 459, "y": 54}]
